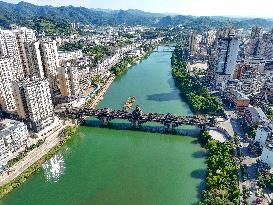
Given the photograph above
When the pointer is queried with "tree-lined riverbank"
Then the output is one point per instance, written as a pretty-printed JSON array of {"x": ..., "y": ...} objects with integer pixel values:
[
  {"x": 194, "y": 93},
  {"x": 222, "y": 178},
  {"x": 128, "y": 61}
]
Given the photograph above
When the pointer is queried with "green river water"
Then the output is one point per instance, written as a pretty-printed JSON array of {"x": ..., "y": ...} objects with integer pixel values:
[{"x": 102, "y": 166}]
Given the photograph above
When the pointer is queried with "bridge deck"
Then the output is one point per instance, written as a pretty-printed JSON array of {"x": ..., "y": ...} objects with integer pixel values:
[{"x": 137, "y": 116}]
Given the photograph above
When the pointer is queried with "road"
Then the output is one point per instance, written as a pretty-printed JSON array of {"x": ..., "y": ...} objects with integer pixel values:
[
  {"x": 248, "y": 160},
  {"x": 31, "y": 158}
]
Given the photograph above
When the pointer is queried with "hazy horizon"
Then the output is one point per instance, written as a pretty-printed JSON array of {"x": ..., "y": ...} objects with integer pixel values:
[{"x": 229, "y": 8}]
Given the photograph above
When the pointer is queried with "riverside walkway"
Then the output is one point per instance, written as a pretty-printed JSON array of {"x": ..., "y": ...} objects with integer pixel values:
[{"x": 138, "y": 117}]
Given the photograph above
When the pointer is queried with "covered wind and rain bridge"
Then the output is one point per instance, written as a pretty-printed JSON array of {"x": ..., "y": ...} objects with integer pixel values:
[{"x": 138, "y": 117}]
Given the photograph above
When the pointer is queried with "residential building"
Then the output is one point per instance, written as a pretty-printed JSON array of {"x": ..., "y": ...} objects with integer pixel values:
[
  {"x": 267, "y": 154},
  {"x": 260, "y": 46},
  {"x": 227, "y": 53},
  {"x": 262, "y": 134},
  {"x": 34, "y": 103},
  {"x": 9, "y": 49},
  {"x": 49, "y": 54},
  {"x": 13, "y": 139},
  {"x": 193, "y": 42},
  {"x": 68, "y": 77},
  {"x": 238, "y": 99},
  {"x": 255, "y": 116},
  {"x": 256, "y": 32},
  {"x": 34, "y": 60},
  {"x": 24, "y": 36},
  {"x": 7, "y": 76},
  {"x": 68, "y": 56}
]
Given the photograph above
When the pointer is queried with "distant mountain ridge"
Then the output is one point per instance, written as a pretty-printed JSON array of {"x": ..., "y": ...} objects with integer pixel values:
[{"x": 24, "y": 12}]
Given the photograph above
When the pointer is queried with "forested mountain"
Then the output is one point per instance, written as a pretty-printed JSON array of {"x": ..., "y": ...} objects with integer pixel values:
[
  {"x": 21, "y": 12},
  {"x": 32, "y": 15}
]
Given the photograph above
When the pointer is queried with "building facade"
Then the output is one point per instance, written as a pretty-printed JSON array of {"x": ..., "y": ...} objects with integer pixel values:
[
  {"x": 24, "y": 36},
  {"x": 7, "y": 76},
  {"x": 226, "y": 57},
  {"x": 68, "y": 77},
  {"x": 9, "y": 49},
  {"x": 49, "y": 54},
  {"x": 34, "y": 103},
  {"x": 34, "y": 59},
  {"x": 13, "y": 139}
]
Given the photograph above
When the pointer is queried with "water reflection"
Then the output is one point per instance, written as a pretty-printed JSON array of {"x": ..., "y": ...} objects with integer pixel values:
[
  {"x": 161, "y": 97},
  {"x": 54, "y": 168},
  {"x": 185, "y": 130}
]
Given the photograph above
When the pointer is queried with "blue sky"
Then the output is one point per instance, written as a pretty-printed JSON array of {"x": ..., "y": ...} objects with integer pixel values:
[{"x": 254, "y": 8}]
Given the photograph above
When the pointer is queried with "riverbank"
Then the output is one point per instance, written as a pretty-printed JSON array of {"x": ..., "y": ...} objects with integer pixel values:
[
  {"x": 95, "y": 100},
  {"x": 194, "y": 92},
  {"x": 39, "y": 156},
  {"x": 222, "y": 178},
  {"x": 127, "y": 62}
]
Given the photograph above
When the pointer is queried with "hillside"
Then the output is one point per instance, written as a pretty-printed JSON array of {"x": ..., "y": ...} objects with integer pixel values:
[{"x": 28, "y": 14}]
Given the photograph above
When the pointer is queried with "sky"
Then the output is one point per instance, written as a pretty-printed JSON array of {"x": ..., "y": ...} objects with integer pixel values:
[{"x": 247, "y": 8}]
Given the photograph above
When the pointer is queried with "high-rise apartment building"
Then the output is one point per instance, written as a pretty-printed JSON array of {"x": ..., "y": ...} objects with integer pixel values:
[
  {"x": 24, "y": 36},
  {"x": 34, "y": 60},
  {"x": 226, "y": 57},
  {"x": 33, "y": 100},
  {"x": 50, "y": 61},
  {"x": 227, "y": 53},
  {"x": 259, "y": 45},
  {"x": 69, "y": 81},
  {"x": 265, "y": 47},
  {"x": 7, "y": 76},
  {"x": 9, "y": 49}
]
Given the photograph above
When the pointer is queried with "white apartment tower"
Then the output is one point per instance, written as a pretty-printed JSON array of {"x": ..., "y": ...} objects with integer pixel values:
[
  {"x": 49, "y": 54},
  {"x": 69, "y": 81},
  {"x": 9, "y": 48},
  {"x": 7, "y": 100},
  {"x": 33, "y": 100},
  {"x": 34, "y": 60},
  {"x": 227, "y": 53},
  {"x": 24, "y": 36}
]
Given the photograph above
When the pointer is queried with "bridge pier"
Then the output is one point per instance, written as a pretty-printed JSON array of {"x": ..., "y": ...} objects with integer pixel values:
[
  {"x": 83, "y": 122},
  {"x": 169, "y": 127},
  {"x": 104, "y": 120},
  {"x": 203, "y": 127},
  {"x": 135, "y": 124}
]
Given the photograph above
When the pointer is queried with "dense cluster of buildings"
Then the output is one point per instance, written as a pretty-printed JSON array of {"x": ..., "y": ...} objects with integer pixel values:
[
  {"x": 28, "y": 71},
  {"x": 35, "y": 76},
  {"x": 240, "y": 67}
]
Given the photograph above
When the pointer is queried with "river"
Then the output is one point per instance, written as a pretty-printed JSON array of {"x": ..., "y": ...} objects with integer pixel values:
[{"x": 102, "y": 166}]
